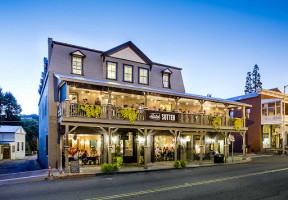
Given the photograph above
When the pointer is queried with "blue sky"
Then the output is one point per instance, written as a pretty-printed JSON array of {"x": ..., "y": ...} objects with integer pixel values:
[{"x": 216, "y": 42}]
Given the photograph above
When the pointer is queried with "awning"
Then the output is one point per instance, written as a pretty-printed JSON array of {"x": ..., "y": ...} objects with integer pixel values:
[{"x": 105, "y": 83}]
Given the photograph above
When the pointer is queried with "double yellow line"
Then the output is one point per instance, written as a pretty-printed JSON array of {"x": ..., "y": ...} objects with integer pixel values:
[{"x": 185, "y": 185}]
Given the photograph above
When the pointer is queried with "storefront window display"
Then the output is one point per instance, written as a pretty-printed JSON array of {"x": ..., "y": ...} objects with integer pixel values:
[
  {"x": 84, "y": 142},
  {"x": 164, "y": 148}
]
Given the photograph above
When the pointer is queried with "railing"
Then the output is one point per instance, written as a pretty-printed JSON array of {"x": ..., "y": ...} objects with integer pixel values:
[{"x": 68, "y": 109}]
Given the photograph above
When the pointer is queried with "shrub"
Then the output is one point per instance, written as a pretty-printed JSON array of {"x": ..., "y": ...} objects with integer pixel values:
[
  {"x": 180, "y": 164},
  {"x": 183, "y": 163},
  {"x": 141, "y": 160},
  {"x": 177, "y": 164},
  {"x": 108, "y": 168}
]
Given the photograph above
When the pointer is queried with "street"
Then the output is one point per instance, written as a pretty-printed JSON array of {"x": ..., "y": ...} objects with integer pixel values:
[{"x": 263, "y": 178}]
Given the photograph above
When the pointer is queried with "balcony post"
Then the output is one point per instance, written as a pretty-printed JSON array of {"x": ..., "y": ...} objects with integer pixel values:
[
  {"x": 109, "y": 104},
  {"x": 244, "y": 116},
  {"x": 226, "y": 114},
  {"x": 67, "y": 105},
  {"x": 202, "y": 111},
  {"x": 145, "y": 100},
  {"x": 176, "y": 104}
]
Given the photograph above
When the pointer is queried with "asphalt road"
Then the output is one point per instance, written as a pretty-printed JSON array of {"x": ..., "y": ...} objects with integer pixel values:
[
  {"x": 15, "y": 166},
  {"x": 263, "y": 178}
]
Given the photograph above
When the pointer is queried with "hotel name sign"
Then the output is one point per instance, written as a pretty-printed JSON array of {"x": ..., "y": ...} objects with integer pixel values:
[{"x": 152, "y": 115}]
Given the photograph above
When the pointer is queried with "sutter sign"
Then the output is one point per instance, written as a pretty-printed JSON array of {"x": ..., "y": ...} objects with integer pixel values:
[{"x": 161, "y": 116}]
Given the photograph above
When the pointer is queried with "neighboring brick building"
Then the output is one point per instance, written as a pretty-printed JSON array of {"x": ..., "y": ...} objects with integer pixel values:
[{"x": 264, "y": 119}]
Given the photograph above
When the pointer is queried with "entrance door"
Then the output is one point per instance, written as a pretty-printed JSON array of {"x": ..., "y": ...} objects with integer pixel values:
[
  {"x": 129, "y": 147},
  {"x": 6, "y": 152}
]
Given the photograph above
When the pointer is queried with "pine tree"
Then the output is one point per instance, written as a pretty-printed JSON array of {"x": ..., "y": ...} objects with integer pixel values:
[
  {"x": 12, "y": 109},
  {"x": 248, "y": 86},
  {"x": 256, "y": 82}
]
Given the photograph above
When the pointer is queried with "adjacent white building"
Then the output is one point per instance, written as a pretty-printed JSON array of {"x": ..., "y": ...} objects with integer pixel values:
[{"x": 12, "y": 142}]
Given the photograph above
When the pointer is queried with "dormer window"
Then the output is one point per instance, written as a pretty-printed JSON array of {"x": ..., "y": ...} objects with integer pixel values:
[
  {"x": 77, "y": 62},
  {"x": 166, "y": 78},
  {"x": 111, "y": 70}
]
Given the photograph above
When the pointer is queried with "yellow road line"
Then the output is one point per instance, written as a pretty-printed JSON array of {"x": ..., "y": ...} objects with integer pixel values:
[{"x": 185, "y": 185}]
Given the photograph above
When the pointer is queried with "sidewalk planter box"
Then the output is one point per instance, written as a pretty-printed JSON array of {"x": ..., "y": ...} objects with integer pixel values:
[{"x": 219, "y": 158}]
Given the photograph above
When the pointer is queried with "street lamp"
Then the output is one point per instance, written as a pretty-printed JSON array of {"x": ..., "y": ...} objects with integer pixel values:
[{"x": 283, "y": 122}]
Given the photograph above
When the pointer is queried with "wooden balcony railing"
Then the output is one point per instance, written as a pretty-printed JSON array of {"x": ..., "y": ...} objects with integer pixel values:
[{"x": 67, "y": 109}]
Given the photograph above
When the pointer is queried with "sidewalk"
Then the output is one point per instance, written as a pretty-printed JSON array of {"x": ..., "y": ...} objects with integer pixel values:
[{"x": 90, "y": 171}]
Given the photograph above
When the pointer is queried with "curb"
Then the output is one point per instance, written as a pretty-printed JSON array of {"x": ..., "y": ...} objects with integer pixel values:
[{"x": 69, "y": 176}]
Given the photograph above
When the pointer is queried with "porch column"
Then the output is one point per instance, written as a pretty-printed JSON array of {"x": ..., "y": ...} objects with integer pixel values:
[
  {"x": 145, "y": 149},
  {"x": 60, "y": 153},
  {"x": 244, "y": 145},
  {"x": 109, "y": 146},
  {"x": 201, "y": 148},
  {"x": 66, "y": 149},
  {"x": 109, "y": 104},
  {"x": 176, "y": 145},
  {"x": 192, "y": 147},
  {"x": 225, "y": 147}
]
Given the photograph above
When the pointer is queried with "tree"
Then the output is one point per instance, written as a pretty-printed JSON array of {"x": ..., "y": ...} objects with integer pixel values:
[
  {"x": 31, "y": 127},
  {"x": 257, "y": 84},
  {"x": 248, "y": 86},
  {"x": 1, "y": 101},
  {"x": 12, "y": 109}
]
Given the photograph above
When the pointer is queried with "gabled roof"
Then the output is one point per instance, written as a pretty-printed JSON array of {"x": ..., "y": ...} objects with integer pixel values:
[
  {"x": 8, "y": 129},
  {"x": 102, "y": 52},
  {"x": 275, "y": 90},
  {"x": 78, "y": 53},
  {"x": 168, "y": 71},
  {"x": 132, "y": 46}
]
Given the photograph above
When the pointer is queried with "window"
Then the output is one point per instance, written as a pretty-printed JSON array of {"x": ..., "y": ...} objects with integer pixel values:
[
  {"x": 76, "y": 65},
  {"x": 143, "y": 76},
  {"x": 128, "y": 73},
  {"x": 111, "y": 70},
  {"x": 18, "y": 146},
  {"x": 166, "y": 80},
  {"x": 22, "y": 146}
]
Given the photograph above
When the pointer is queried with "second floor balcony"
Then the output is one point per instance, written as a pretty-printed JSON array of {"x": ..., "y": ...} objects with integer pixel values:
[{"x": 110, "y": 114}]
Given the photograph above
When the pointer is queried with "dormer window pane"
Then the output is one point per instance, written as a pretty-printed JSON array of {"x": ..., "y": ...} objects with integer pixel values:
[
  {"x": 77, "y": 65},
  {"x": 128, "y": 73},
  {"x": 111, "y": 70},
  {"x": 165, "y": 80},
  {"x": 143, "y": 76}
]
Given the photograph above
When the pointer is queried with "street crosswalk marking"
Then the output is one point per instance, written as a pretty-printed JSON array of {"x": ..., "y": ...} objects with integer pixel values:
[{"x": 185, "y": 185}]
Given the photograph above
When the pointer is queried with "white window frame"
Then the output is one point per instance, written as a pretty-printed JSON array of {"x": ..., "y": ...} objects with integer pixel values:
[
  {"x": 77, "y": 65},
  {"x": 128, "y": 74},
  {"x": 111, "y": 73},
  {"x": 142, "y": 78}
]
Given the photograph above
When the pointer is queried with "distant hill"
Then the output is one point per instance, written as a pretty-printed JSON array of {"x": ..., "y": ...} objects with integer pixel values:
[{"x": 32, "y": 116}]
